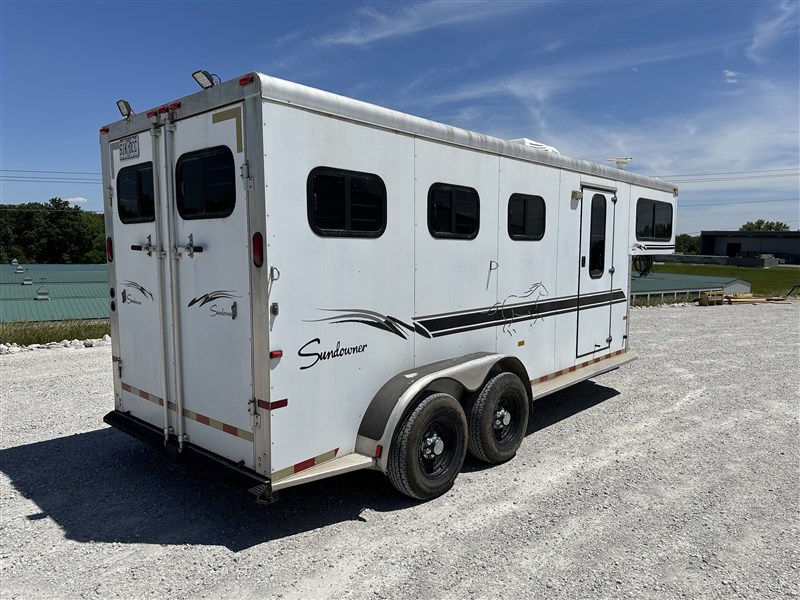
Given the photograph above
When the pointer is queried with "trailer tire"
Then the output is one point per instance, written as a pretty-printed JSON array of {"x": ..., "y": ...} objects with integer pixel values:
[
  {"x": 498, "y": 419},
  {"x": 429, "y": 448}
]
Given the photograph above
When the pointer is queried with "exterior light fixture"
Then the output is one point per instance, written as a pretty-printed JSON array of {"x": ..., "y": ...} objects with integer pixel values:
[
  {"x": 204, "y": 79},
  {"x": 124, "y": 108}
]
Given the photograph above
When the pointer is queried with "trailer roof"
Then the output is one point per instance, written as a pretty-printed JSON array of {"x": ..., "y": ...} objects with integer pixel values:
[{"x": 300, "y": 96}]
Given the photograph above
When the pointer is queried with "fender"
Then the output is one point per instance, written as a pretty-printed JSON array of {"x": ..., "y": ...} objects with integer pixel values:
[{"x": 398, "y": 395}]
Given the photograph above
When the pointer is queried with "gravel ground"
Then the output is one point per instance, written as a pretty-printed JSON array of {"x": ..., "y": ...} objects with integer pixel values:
[{"x": 675, "y": 476}]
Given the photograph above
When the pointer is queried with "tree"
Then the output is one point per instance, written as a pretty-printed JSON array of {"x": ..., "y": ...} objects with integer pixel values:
[
  {"x": 762, "y": 225},
  {"x": 50, "y": 233},
  {"x": 687, "y": 244}
]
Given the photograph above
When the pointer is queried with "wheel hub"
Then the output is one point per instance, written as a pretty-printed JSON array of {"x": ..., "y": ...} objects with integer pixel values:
[
  {"x": 433, "y": 445},
  {"x": 502, "y": 418}
]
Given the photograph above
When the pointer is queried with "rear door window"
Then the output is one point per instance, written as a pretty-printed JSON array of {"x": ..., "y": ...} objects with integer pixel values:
[
  {"x": 135, "y": 196},
  {"x": 205, "y": 183}
]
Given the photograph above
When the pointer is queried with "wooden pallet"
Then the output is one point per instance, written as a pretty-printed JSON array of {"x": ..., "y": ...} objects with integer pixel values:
[{"x": 714, "y": 298}]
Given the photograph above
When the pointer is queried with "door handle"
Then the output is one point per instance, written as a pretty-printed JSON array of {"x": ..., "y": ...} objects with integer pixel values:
[{"x": 191, "y": 248}]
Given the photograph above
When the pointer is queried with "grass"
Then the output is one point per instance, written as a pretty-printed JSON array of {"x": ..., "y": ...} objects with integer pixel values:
[
  {"x": 775, "y": 281},
  {"x": 26, "y": 333}
]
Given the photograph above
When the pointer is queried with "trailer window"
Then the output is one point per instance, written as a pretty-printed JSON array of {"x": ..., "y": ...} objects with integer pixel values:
[
  {"x": 346, "y": 203},
  {"x": 453, "y": 211},
  {"x": 205, "y": 183},
  {"x": 597, "y": 237},
  {"x": 526, "y": 217},
  {"x": 653, "y": 220},
  {"x": 135, "y": 197}
]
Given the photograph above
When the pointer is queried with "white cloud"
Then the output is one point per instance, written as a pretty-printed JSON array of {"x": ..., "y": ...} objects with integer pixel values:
[
  {"x": 769, "y": 31},
  {"x": 731, "y": 76},
  {"x": 76, "y": 200},
  {"x": 373, "y": 24}
]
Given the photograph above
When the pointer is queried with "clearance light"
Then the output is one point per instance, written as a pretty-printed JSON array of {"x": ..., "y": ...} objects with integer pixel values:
[
  {"x": 276, "y": 354},
  {"x": 163, "y": 110},
  {"x": 246, "y": 80},
  {"x": 258, "y": 249},
  {"x": 151, "y": 114},
  {"x": 175, "y": 106},
  {"x": 104, "y": 130},
  {"x": 109, "y": 250},
  {"x": 378, "y": 451}
]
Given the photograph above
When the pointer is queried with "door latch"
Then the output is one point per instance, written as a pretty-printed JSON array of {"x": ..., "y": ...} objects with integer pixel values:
[
  {"x": 148, "y": 247},
  {"x": 191, "y": 248},
  {"x": 583, "y": 261}
]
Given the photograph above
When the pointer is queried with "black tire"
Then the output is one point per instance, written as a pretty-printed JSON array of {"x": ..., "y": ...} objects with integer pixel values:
[
  {"x": 429, "y": 448},
  {"x": 498, "y": 419}
]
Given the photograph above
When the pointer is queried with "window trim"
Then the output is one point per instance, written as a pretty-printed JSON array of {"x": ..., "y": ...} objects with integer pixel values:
[
  {"x": 138, "y": 167},
  {"x": 179, "y": 195},
  {"x": 454, "y": 236},
  {"x": 527, "y": 198},
  {"x": 654, "y": 238},
  {"x": 347, "y": 233}
]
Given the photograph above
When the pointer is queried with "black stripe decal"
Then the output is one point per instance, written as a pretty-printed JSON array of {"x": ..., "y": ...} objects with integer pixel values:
[{"x": 447, "y": 324}]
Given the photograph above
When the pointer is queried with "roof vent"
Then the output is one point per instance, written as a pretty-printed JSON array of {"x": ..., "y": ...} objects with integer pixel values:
[
  {"x": 534, "y": 144},
  {"x": 19, "y": 269},
  {"x": 27, "y": 281},
  {"x": 43, "y": 293},
  {"x": 14, "y": 262}
]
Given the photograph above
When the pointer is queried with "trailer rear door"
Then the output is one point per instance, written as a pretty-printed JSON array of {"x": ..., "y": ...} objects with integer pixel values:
[{"x": 211, "y": 281}]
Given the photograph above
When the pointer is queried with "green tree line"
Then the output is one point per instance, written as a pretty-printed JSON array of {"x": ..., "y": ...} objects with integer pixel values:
[{"x": 50, "y": 233}]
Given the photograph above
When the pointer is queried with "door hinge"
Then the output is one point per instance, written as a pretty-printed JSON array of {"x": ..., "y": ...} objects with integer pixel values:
[
  {"x": 247, "y": 181},
  {"x": 614, "y": 199},
  {"x": 612, "y": 270},
  {"x": 608, "y": 339},
  {"x": 252, "y": 408},
  {"x": 118, "y": 360},
  {"x": 110, "y": 196}
]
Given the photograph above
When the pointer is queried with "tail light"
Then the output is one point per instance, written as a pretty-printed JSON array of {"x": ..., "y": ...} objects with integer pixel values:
[
  {"x": 109, "y": 250},
  {"x": 258, "y": 249}
]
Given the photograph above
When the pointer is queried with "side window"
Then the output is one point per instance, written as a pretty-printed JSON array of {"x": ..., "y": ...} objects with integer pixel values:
[
  {"x": 135, "y": 197},
  {"x": 653, "y": 220},
  {"x": 205, "y": 183},
  {"x": 597, "y": 237},
  {"x": 453, "y": 211},
  {"x": 346, "y": 203},
  {"x": 526, "y": 217}
]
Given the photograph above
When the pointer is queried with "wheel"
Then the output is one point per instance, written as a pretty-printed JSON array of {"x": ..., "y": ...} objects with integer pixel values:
[
  {"x": 498, "y": 419},
  {"x": 429, "y": 448}
]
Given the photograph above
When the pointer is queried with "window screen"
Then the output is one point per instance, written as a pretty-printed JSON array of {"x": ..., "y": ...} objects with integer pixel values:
[
  {"x": 206, "y": 184},
  {"x": 597, "y": 237},
  {"x": 135, "y": 196},
  {"x": 346, "y": 203},
  {"x": 653, "y": 220},
  {"x": 453, "y": 211},
  {"x": 526, "y": 217}
]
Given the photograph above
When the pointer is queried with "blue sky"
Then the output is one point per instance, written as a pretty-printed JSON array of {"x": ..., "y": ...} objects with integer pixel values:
[{"x": 707, "y": 93}]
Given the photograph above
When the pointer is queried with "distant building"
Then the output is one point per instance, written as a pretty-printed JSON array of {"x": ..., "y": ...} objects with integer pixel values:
[
  {"x": 783, "y": 245},
  {"x": 53, "y": 292}
]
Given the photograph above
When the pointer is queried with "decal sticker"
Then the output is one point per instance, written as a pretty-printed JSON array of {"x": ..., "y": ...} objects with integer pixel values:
[
  {"x": 366, "y": 317},
  {"x": 217, "y": 310},
  {"x": 309, "y": 351},
  {"x": 510, "y": 313},
  {"x": 131, "y": 298}
]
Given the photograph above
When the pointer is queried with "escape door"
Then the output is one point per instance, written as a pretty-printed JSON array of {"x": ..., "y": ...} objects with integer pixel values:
[
  {"x": 595, "y": 272},
  {"x": 212, "y": 282}
]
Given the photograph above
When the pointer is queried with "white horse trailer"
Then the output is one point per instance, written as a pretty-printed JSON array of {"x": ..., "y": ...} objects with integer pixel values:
[{"x": 302, "y": 284}]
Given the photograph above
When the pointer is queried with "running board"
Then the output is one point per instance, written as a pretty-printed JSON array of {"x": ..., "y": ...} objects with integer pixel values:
[
  {"x": 544, "y": 388},
  {"x": 336, "y": 466}
]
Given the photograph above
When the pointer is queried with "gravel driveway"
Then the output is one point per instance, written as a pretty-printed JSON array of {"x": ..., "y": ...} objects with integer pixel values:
[{"x": 675, "y": 476}]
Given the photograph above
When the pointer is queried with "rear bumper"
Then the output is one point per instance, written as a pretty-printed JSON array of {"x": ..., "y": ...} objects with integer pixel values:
[{"x": 212, "y": 466}]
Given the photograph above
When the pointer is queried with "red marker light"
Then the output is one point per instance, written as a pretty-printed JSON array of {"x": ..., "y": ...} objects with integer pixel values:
[
  {"x": 175, "y": 106},
  {"x": 378, "y": 451},
  {"x": 258, "y": 249},
  {"x": 151, "y": 114},
  {"x": 246, "y": 80},
  {"x": 276, "y": 353},
  {"x": 104, "y": 130},
  {"x": 109, "y": 250},
  {"x": 163, "y": 110}
]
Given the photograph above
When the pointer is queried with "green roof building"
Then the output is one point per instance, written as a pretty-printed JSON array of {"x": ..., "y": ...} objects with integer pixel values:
[{"x": 53, "y": 292}]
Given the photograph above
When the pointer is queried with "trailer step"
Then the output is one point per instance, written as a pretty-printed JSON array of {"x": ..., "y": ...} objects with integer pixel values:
[
  {"x": 337, "y": 466},
  {"x": 589, "y": 371}
]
